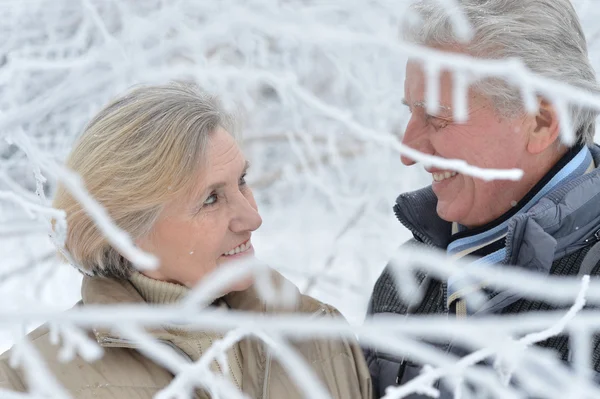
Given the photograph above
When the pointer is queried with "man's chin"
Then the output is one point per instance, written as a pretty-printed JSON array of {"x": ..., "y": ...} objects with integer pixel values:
[{"x": 446, "y": 212}]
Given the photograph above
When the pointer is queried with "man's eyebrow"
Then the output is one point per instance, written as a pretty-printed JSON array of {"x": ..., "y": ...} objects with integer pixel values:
[{"x": 422, "y": 104}]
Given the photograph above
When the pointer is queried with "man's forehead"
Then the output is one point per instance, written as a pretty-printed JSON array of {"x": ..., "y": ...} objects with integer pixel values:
[
  {"x": 415, "y": 87},
  {"x": 423, "y": 104}
]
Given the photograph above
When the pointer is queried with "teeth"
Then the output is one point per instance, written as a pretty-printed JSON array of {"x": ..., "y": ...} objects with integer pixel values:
[
  {"x": 242, "y": 248},
  {"x": 443, "y": 175}
]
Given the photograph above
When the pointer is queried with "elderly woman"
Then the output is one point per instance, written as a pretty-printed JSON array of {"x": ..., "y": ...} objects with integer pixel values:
[
  {"x": 547, "y": 222},
  {"x": 164, "y": 164}
]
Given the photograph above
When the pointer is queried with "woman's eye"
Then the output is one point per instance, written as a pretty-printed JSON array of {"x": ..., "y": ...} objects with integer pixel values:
[
  {"x": 211, "y": 199},
  {"x": 243, "y": 180}
]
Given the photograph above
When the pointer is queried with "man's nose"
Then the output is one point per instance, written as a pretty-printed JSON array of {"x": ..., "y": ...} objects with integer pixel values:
[{"x": 417, "y": 138}]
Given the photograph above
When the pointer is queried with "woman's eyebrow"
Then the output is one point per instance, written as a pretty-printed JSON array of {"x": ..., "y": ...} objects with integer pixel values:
[{"x": 221, "y": 184}]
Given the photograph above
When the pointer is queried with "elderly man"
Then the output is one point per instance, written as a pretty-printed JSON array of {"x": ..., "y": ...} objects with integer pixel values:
[{"x": 546, "y": 222}]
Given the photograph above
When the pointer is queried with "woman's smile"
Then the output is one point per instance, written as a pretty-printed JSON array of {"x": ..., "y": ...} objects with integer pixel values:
[{"x": 244, "y": 249}]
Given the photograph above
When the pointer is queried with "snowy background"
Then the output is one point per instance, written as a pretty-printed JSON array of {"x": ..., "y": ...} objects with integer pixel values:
[
  {"x": 325, "y": 192},
  {"x": 318, "y": 88}
]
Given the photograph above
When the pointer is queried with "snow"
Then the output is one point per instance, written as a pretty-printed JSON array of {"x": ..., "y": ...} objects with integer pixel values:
[{"x": 319, "y": 87}]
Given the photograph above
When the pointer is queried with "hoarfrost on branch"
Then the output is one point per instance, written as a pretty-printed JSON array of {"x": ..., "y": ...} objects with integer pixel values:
[{"x": 318, "y": 87}]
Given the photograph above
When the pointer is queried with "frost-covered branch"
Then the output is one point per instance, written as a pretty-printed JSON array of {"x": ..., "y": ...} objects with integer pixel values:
[
  {"x": 298, "y": 369},
  {"x": 40, "y": 380},
  {"x": 391, "y": 142},
  {"x": 34, "y": 264},
  {"x": 320, "y": 87},
  {"x": 178, "y": 365},
  {"x": 74, "y": 342},
  {"x": 32, "y": 209},
  {"x": 6, "y": 394},
  {"x": 199, "y": 373},
  {"x": 424, "y": 382},
  {"x": 117, "y": 237}
]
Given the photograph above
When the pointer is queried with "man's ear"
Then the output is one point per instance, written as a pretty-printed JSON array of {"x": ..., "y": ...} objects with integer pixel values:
[{"x": 546, "y": 128}]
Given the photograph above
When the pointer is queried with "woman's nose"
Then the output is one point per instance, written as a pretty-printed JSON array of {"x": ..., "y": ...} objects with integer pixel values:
[
  {"x": 246, "y": 217},
  {"x": 416, "y": 138}
]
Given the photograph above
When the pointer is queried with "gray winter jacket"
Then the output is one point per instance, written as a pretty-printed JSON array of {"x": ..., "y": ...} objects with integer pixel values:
[{"x": 558, "y": 236}]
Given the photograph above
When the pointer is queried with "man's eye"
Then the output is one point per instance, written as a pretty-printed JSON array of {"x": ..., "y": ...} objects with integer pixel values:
[
  {"x": 438, "y": 123},
  {"x": 211, "y": 199}
]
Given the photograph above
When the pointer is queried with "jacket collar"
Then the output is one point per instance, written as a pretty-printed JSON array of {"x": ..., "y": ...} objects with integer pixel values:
[
  {"x": 107, "y": 291},
  {"x": 188, "y": 343},
  {"x": 559, "y": 224}
]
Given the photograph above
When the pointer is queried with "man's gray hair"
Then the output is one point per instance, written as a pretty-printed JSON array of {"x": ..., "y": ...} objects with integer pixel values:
[{"x": 545, "y": 34}]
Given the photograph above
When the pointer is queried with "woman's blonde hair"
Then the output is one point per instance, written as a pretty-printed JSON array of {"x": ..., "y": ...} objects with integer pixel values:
[{"x": 134, "y": 156}]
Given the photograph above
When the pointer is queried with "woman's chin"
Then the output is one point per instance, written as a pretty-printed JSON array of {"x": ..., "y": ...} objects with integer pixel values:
[
  {"x": 241, "y": 259},
  {"x": 242, "y": 285}
]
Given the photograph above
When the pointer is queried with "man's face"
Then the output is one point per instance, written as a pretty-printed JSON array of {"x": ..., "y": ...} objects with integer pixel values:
[{"x": 485, "y": 140}]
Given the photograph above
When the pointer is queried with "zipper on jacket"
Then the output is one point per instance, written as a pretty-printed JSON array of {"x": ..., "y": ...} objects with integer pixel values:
[
  {"x": 267, "y": 372},
  {"x": 269, "y": 358},
  {"x": 131, "y": 345},
  {"x": 401, "y": 370},
  {"x": 595, "y": 238},
  {"x": 444, "y": 286},
  {"x": 445, "y": 297}
]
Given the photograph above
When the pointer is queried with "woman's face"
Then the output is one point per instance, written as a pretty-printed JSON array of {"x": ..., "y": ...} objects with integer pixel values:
[{"x": 197, "y": 232}]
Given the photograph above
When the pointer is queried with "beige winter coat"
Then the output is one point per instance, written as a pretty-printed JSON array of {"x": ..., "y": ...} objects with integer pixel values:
[{"x": 123, "y": 372}]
